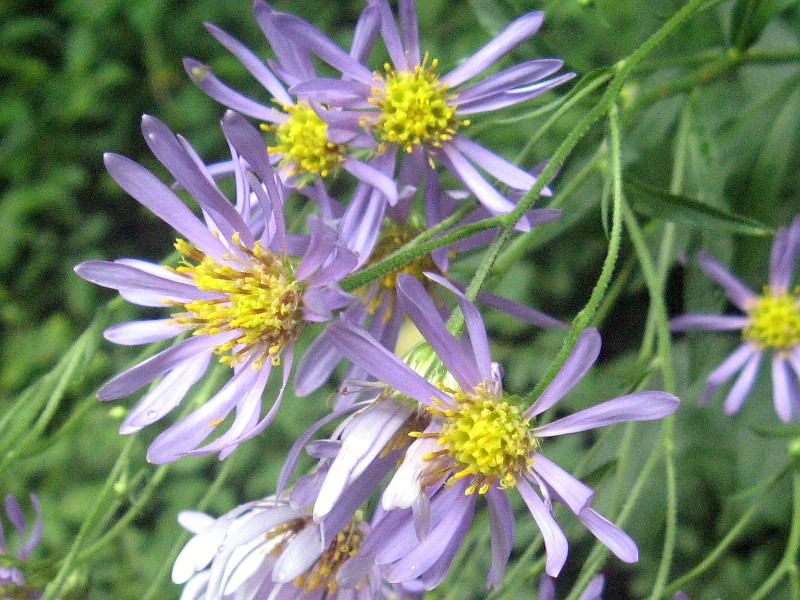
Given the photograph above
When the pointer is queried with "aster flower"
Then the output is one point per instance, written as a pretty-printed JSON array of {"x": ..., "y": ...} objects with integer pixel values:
[
  {"x": 305, "y": 147},
  {"x": 270, "y": 549},
  {"x": 410, "y": 109},
  {"x": 480, "y": 440},
  {"x": 242, "y": 295},
  {"x": 770, "y": 325},
  {"x": 12, "y": 579}
]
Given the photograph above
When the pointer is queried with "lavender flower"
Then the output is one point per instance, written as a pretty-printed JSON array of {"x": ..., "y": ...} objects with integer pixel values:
[
  {"x": 771, "y": 323},
  {"x": 306, "y": 148},
  {"x": 479, "y": 440},
  {"x": 12, "y": 579},
  {"x": 238, "y": 290},
  {"x": 269, "y": 549},
  {"x": 410, "y": 108}
]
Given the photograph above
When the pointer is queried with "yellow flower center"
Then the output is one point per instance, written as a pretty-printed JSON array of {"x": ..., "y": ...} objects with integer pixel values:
[
  {"x": 303, "y": 143},
  {"x": 487, "y": 437},
  {"x": 323, "y": 572},
  {"x": 774, "y": 321},
  {"x": 261, "y": 300},
  {"x": 415, "y": 108}
]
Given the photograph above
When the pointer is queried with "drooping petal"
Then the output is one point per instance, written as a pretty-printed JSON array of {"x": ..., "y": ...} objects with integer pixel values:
[
  {"x": 737, "y": 292},
  {"x": 782, "y": 387},
  {"x": 709, "y": 322},
  {"x": 740, "y": 389},
  {"x": 517, "y": 32},
  {"x": 555, "y": 541},
  {"x": 579, "y": 361},
  {"x": 640, "y": 406},
  {"x": 619, "y": 542},
  {"x": 148, "y": 370},
  {"x": 501, "y": 524}
]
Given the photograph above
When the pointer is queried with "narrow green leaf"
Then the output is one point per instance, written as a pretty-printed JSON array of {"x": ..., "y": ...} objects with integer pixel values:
[
  {"x": 788, "y": 430},
  {"x": 750, "y": 17},
  {"x": 657, "y": 203}
]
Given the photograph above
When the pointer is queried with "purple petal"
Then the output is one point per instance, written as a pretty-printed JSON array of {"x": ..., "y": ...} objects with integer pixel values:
[
  {"x": 317, "y": 364},
  {"x": 784, "y": 255},
  {"x": 146, "y": 371},
  {"x": 120, "y": 276},
  {"x": 517, "y": 32},
  {"x": 501, "y": 524},
  {"x": 520, "y": 74},
  {"x": 493, "y": 164},
  {"x": 709, "y": 322},
  {"x": 641, "y": 406},
  {"x": 15, "y": 514},
  {"x": 204, "y": 78},
  {"x": 361, "y": 222},
  {"x": 407, "y": 13},
  {"x": 298, "y": 556},
  {"x": 391, "y": 38},
  {"x": 419, "y": 307},
  {"x": 469, "y": 175},
  {"x": 323, "y": 241},
  {"x": 317, "y": 42},
  {"x": 293, "y": 60},
  {"x": 166, "y": 395},
  {"x": 373, "y": 176},
  {"x": 555, "y": 541},
  {"x": 252, "y": 63},
  {"x": 572, "y": 492},
  {"x": 363, "y": 350},
  {"x": 335, "y": 92},
  {"x": 737, "y": 292},
  {"x": 26, "y": 549},
  {"x": 727, "y": 369},
  {"x": 143, "y": 332},
  {"x": 782, "y": 389},
  {"x": 365, "y": 33},
  {"x": 619, "y": 542},
  {"x": 154, "y": 194},
  {"x": 520, "y": 311},
  {"x": 579, "y": 361},
  {"x": 740, "y": 389},
  {"x": 512, "y": 97}
]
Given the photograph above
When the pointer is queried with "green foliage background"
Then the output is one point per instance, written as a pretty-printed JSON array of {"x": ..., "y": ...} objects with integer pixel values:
[{"x": 722, "y": 96}]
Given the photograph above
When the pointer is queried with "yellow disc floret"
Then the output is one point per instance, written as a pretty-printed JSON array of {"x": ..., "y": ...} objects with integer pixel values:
[
  {"x": 774, "y": 321},
  {"x": 302, "y": 140},
  {"x": 415, "y": 108},
  {"x": 259, "y": 298},
  {"x": 488, "y": 438}
]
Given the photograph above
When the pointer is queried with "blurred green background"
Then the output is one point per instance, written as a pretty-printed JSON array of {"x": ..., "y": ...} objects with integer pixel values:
[{"x": 78, "y": 74}]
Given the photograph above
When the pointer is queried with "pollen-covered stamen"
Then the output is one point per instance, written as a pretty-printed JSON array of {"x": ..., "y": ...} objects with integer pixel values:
[
  {"x": 323, "y": 573},
  {"x": 774, "y": 321},
  {"x": 302, "y": 141},
  {"x": 486, "y": 436},
  {"x": 415, "y": 108},
  {"x": 260, "y": 299}
]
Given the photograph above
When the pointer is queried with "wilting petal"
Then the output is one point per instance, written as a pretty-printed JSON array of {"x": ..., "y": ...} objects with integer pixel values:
[
  {"x": 555, "y": 541},
  {"x": 579, "y": 361}
]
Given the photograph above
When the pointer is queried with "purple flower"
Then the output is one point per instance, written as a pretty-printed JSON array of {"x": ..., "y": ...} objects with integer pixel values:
[
  {"x": 771, "y": 323},
  {"x": 409, "y": 108},
  {"x": 480, "y": 440},
  {"x": 12, "y": 580},
  {"x": 306, "y": 148},
  {"x": 238, "y": 290},
  {"x": 270, "y": 549}
]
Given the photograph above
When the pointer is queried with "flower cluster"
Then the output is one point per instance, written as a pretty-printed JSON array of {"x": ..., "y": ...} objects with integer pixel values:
[{"x": 425, "y": 437}]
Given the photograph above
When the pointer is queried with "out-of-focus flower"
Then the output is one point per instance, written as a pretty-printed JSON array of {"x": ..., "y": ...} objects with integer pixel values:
[
  {"x": 269, "y": 549},
  {"x": 478, "y": 440},
  {"x": 771, "y": 324},
  {"x": 13, "y": 583},
  {"x": 238, "y": 290},
  {"x": 410, "y": 109}
]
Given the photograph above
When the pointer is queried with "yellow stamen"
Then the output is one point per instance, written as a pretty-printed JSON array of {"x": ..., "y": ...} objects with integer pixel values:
[
  {"x": 774, "y": 321},
  {"x": 260, "y": 299}
]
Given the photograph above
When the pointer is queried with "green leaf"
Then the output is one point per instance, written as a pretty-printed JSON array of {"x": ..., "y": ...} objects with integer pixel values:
[
  {"x": 749, "y": 19},
  {"x": 657, "y": 203},
  {"x": 780, "y": 431}
]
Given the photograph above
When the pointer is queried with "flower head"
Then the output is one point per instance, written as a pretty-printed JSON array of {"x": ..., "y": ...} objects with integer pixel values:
[
  {"x": 240, "y": 290},
  {"x": 770, "y": 325},
  {"x": 482, "y": 441},
  {"x": 408, "y": 108}
]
